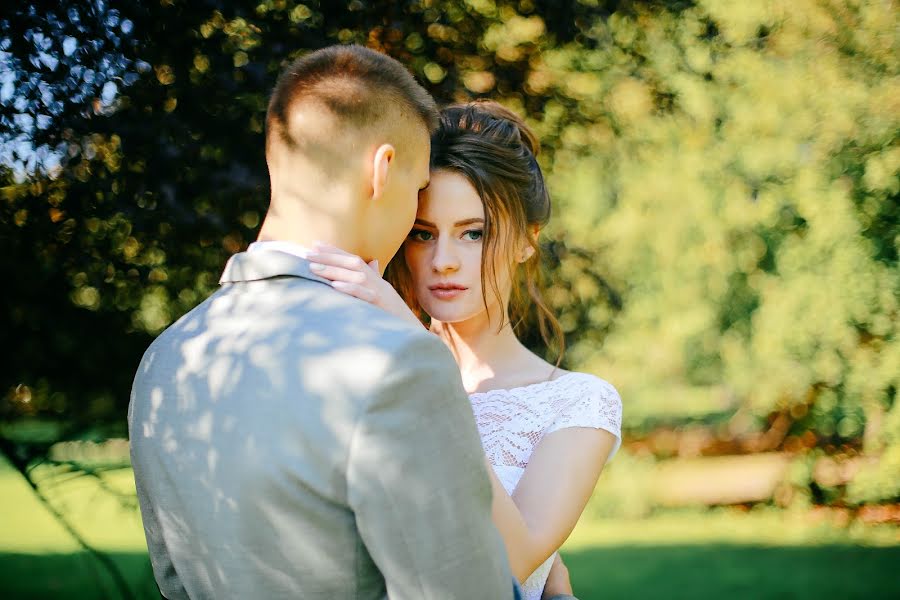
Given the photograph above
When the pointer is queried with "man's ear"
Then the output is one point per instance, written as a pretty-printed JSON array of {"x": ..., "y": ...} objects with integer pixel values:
[{"x": 381, "y": 164}]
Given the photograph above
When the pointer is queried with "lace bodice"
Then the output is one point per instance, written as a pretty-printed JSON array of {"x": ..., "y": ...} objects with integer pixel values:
[{"x": 512, "y": 422}]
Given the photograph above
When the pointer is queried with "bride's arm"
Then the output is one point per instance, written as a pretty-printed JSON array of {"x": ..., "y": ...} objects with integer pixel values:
[
  {"x": 551, "y": 495},
  {"x": 561, "y": 473}
]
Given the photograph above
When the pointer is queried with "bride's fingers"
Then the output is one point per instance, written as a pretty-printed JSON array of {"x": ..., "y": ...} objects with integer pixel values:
[
  {"x": 338, "y": 273},
  {"x": 345, "y": 261},
  {"x": 355, "y": 290},
  {"x": 323, "y": 247}
]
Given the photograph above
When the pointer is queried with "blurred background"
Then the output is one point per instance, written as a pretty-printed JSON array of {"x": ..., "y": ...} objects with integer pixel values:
[{"x": 724, "y": 249}]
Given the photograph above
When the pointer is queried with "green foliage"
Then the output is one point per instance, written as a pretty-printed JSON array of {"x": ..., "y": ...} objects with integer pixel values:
[
  {"x": 880, "y": 479},
  {"x": 139, "y": 201},
  {"x": 732, "y": 170},
  {"x": 725, "y": 177}
]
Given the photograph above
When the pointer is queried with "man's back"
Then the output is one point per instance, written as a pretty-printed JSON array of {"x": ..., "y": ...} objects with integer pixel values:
[{"x": 289, "y": 441}]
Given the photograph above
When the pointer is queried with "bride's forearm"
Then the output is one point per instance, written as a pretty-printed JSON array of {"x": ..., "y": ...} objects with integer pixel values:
[{"x": 522, "y": 548}]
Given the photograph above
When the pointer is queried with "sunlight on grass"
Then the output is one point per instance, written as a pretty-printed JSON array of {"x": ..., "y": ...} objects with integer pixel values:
[
  {"x": 690, "y": 553},
  {"x": 28, "y": 527},
  {"x": 765, "y": 527}
]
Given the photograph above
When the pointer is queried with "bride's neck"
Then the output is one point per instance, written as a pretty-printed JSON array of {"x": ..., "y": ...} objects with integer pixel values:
[{"x": 481, "y": 351}]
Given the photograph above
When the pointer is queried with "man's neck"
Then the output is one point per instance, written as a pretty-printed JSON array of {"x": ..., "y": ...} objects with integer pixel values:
[{"x": 314, "y": 231}]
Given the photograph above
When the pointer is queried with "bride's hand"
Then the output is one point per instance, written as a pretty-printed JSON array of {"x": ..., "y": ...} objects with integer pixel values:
[
  {"x": 558, "y": 582},
  {"x": 352, "y": 275}
]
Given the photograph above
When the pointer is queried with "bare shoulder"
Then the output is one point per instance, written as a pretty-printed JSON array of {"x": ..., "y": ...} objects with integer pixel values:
[{"x": 537, "y": 369}]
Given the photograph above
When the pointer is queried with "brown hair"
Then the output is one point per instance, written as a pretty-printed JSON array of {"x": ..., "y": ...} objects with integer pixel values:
[
  {"x": 496, "y": 152},
  {"x": 354, "y": 83}
]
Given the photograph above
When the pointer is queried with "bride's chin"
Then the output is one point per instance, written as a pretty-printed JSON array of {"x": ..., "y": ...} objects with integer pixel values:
[{"x": 448, "y": 317}]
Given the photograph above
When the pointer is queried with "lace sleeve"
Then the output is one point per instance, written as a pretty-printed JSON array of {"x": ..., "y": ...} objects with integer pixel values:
[{"x": 596, "y": 405}]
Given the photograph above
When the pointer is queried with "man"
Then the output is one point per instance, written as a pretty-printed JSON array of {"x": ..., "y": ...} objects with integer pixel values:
[{"x": 289, "y": 441}]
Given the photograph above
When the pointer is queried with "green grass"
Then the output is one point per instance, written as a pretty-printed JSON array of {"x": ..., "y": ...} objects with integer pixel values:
[
  {"x": 765, "y": 553},
  {"x": 726, "y": 553},
  {"x": 27, "y": 527},
  {"x": 73, "y": 575},
  {"x": 40, "y": 559},
  {"x": 734, "y": 571}
]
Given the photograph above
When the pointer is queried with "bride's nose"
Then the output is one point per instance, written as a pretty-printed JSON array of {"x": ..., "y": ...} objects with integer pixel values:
[{"x": 445, "y": 257}]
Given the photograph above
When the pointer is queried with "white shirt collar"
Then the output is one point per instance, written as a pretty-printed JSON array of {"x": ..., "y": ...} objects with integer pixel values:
[{"x": 281, "y": 246}]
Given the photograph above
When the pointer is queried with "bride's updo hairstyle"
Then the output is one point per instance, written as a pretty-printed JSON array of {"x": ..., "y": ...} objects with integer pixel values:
[{"x": 496, "y": 152}]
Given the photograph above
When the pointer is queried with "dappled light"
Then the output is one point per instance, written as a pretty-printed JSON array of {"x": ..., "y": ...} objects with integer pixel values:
[
  {"x": 723, "y": 249},
  {"x": 238, "y": 408}
]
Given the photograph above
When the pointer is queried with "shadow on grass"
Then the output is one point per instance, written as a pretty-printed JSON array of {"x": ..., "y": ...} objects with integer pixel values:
[
  {"x": 39, "y": 576},
  {"x": 670, "y": 572},
  {"x": 735, "y": 571}
]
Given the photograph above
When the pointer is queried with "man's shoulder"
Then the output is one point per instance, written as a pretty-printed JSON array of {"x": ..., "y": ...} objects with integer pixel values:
[
  {"x": 306, "y": 319},
  {"x": 325, "y": 321},
  {"x": 408, "y": 347},
  {"x": 394, "y": 333},
  {"x": 360, "y": 323}
]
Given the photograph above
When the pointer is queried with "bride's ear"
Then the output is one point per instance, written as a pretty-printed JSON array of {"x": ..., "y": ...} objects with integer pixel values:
[
  {"x": 526, "y": 253},
  {"x": 381, "y": 164},
  {"x": 527, "y": 250}
]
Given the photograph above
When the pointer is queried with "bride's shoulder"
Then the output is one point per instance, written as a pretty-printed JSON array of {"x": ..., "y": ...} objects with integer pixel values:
[
  {"x": 583, "y": 384},
  {"x": 576, "y": 393},
  {"x": 586, "y": 400}
]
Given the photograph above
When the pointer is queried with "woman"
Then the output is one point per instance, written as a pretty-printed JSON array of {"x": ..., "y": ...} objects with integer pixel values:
[{"x": 469, "y": 271}]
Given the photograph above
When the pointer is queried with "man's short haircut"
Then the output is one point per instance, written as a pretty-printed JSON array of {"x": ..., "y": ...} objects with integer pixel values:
[{"x": 353, "y": 83}]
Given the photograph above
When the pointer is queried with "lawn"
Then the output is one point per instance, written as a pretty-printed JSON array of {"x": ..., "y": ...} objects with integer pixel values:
[
  {"x": 689, "y": 554},
  {"x": 726, "y": 553}
]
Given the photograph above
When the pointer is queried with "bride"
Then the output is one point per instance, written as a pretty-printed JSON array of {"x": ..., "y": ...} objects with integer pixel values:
[{"x": 469, "y": 272}]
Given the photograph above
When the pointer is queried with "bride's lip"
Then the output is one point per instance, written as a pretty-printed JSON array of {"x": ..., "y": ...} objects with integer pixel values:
[
  {"x": 447, "y": 286},
  {"x": 446, "y": 291}
]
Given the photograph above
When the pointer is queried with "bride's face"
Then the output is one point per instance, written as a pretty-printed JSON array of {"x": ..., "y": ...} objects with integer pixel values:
[{"x": 444, "y": 249}]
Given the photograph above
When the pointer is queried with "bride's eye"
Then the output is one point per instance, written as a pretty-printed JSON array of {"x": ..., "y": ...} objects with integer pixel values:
[
  {"x": 473, "y": 235},
  {"x": 420, "y": 235}
]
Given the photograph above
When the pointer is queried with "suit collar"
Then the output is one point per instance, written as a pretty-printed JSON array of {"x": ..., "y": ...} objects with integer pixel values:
[{"x": 265, "y": 264}]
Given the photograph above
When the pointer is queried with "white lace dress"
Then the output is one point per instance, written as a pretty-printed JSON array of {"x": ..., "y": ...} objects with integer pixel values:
[{"x": 512, "y": 422}]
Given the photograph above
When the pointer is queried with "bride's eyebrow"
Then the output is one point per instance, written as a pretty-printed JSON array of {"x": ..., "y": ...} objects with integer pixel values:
[{"x": 462, "y": 223}]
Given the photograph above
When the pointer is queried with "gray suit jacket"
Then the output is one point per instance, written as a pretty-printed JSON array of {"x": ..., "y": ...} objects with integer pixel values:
[{"x": 290, "y": 441}]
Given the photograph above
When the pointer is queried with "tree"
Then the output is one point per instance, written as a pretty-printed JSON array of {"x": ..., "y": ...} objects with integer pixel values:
[
  {"x": 725, "y": 179},
  {"x": 146, "y": 169},
  {"x": 732, "y": 170}
]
